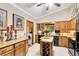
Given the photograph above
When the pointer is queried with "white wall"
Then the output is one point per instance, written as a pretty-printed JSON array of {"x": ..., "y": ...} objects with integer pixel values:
[{"x": 11, "y": 9}]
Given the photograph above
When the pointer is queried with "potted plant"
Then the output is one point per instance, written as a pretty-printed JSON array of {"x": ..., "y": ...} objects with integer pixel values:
[{"x": 47, "y": 31}]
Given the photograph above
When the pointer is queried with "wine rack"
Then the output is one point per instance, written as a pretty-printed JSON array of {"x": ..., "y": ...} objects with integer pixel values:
[{"x": 46, "y": 48}]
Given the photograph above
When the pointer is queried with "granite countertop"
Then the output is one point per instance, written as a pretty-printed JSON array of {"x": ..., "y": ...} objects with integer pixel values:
[
  {"x": 69, "y": 36},
  {"x": 7, "y": 43},
  {"x": 47, "y": 39}
]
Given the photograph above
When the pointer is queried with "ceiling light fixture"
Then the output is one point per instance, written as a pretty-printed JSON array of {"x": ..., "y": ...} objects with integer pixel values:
[{"x": 48, "y": 5}]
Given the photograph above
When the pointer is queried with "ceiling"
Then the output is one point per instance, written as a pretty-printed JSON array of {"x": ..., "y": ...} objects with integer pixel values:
[{"x": 38, "y": 12}]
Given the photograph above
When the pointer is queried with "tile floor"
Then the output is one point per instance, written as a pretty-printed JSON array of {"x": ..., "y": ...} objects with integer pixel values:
[{"x": 58, "y": 51}]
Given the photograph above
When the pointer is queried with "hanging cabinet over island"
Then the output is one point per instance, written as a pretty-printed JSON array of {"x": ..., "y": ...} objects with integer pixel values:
[{"x": 18, "y": 47}]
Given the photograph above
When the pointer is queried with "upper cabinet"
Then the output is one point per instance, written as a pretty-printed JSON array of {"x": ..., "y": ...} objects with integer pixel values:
[
  {"x": 62, "y": 26},
  {"x": 42, "y": 26},
  {"x": 57, "y": 26},
  {"x": 73, "y": 24},
  {"x": 66, "y": 26}
]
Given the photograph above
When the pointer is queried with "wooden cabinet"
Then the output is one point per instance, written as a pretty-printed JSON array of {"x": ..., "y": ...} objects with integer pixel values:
[
  {"x": 17, "y": 49},
  {"x": 63, "y": 41},
  {"x": 7, "y": 51},
  {"x": 62, "y": 26},
  {"x": 20, "y": 48},
  {"x": 42, "y": 26},
  {"x": 73, "y": 24},
  {"x": 66, "y": 26},
  {"x": 57, "y": 26}
]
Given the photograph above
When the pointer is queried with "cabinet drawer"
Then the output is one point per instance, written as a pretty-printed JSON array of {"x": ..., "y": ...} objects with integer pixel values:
[
  {"x": 6, "y": 49},
  {"x": 19, "y": 44},
  {"x": 9, "y": 53}
]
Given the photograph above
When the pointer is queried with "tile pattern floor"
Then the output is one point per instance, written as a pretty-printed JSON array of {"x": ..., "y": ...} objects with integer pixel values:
[{"x": 58, "y": 51}]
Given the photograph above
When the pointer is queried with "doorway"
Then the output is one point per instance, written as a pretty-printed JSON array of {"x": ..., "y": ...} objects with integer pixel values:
[{"x": 30, "y": 31}]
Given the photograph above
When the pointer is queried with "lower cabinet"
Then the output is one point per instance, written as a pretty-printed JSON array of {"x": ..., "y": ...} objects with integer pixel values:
[
  {"x": 17, "y": 49},
  {"x": 7, "y": 51},
  {"x": 20, "y": 48},
  {"x": 63, "y": 41}
]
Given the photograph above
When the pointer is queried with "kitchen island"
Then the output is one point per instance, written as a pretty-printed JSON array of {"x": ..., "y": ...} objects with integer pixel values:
[{"x": 46, "y": 46}]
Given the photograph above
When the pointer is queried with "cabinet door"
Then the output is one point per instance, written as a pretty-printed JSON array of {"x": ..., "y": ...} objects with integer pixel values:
[
  {"x": 60, "y": 41},
  {"x": 57, "y": 26},
  {"x": 73, "y": 24},
  {"x": 68, "y": 26},
  {"x": 7, "y": 51},
  {"x": 42, "y": 26},
  {"x": 63, "y": 26},
  {"x": 63, "y": 41},
  {"x": 20, "y": 48}
]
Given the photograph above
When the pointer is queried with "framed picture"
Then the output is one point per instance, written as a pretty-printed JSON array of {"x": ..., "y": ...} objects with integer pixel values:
[
  {"x": 18, "y": 22},
  {"x": 3, "y": 19}
]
